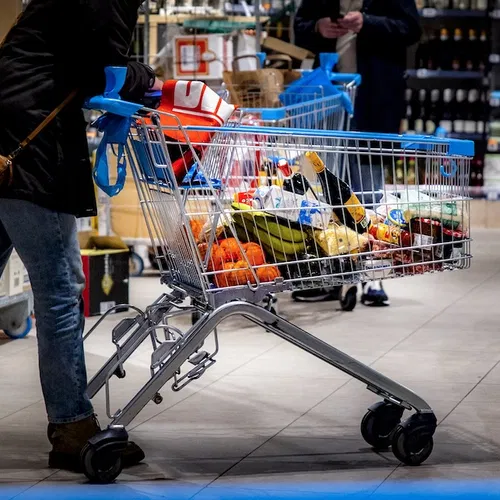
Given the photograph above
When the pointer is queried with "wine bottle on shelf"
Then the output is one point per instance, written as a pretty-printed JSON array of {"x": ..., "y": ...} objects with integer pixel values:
[
  {"x": 444, "y": 50},
  {"x": 338, "y": 194},
  {"x": 422, "y": 54},
  {"x": 459, "y": 115},
  {"x": 420, "y": 121},
  {"x": 481, "y": 113},
  {"x": 447, "y": 117},
  {"x": 460, "y": 4},
  {"x": 483, "y": 52},
  {"x": 406, "y": 123},
  {"x": 471, "y": 51},
  {"x": 432, "y": 51},
  {"x": 471, "y": 119},
  {"x": 434, "y": 114},
  {"x": 481, "y": 4},
  {"x": 458, "y": 49}
]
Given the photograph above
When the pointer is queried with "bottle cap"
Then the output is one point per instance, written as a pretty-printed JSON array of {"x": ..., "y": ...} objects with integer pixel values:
[{"x": 315, "y": 161}]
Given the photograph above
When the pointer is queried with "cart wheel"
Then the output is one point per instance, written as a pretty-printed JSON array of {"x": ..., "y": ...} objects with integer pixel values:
[
  {"x": 22, "y": 331},
  {"x": 412, "y": 441},
  {"x": 379, "y": 423},
  {"x": 100, "y": 465},
  {"x": 349, "y": 300},
  {"x": 135, "y": 264}
]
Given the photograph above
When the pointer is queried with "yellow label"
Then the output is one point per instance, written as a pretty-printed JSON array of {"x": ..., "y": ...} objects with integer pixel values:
[
  {"x": 107, "y": 284},
  {"x": 315, "y": 160},
  {"x": 356, "y": 210}
]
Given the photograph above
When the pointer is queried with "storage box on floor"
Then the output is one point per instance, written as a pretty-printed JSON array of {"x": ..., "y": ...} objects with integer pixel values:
[
  {"x": 106, "y": 268},
  {"x": 12, "y": 281}
]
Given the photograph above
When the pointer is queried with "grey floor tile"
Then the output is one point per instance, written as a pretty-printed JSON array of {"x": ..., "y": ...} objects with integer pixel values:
[
  {"x": 444, "y": 366},
  {"x": 238, "y": 402}
]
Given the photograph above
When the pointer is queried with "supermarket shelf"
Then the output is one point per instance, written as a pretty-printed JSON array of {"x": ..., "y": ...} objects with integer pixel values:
[
  {"x": 425, "y": 74},
  {"x": 14, "y": 299},
  {"x": 466, "y": 136},
  {"x": 451, "y": 13},
  {"x": 480, "y": 192}
]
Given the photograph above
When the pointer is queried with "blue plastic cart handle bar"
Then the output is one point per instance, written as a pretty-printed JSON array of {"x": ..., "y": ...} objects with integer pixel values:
[
  {"x": 456, "y": 147},
  {"x": 111, "y": 102}
]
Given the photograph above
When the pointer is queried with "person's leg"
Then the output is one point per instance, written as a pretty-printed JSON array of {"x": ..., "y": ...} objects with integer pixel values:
[{"x": 47, "y": 243}]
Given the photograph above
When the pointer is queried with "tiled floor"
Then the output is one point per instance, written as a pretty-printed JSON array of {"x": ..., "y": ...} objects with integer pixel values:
[{"x": 269, "y": 418}]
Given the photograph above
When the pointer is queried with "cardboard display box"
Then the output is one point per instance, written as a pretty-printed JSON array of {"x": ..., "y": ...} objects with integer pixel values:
[{"x": 106, "y": 268}]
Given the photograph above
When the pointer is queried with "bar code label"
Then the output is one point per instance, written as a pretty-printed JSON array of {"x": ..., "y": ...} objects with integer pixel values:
[{"x": 104, "y": 307}]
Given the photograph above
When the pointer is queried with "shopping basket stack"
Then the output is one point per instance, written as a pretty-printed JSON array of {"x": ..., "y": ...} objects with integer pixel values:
[{"x": 227, "y": 241}]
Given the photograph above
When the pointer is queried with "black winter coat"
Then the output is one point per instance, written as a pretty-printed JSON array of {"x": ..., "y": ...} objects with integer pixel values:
[
  {"x": 389, "y": 28},
  {"x": 58, "y": 46}
]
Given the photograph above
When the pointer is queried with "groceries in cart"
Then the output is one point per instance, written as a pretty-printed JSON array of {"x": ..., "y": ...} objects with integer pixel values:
[{"x": 317, "y": 226}]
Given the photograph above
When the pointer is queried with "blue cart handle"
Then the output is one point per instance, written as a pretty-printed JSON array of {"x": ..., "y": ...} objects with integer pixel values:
[{"x": 345, "y": 78}]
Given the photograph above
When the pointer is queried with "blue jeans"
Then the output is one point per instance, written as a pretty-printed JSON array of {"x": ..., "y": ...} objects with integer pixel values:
[{"x": 47, "y": 243}]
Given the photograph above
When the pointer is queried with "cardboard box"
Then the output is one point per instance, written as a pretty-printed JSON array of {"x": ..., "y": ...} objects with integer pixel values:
[
  {"x": 286, "y": 48},
  {"x": 12, "y": 279},
  {"x": 106, "y": 268},
  {"x": 202, "y": 57}
]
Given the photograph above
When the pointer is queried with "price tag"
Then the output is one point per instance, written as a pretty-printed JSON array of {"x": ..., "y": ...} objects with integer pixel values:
[
  {"x": 494, "y": 58},
  {"x": 495, "y": 14},
  {"x": 494, "y": 102},
  {"x": 492, "y": 145},
  {"x": 428, "y": 12}
]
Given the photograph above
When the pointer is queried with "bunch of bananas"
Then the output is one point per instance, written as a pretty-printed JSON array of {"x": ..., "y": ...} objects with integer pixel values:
[{"x": 278, "y": 237}]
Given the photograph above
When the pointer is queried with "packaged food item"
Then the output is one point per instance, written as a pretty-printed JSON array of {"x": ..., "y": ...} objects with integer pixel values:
[
  {"x": 395, "y": 216},
  {"x": 391, "y": 234},
  {"x": 244, "y": 197},
  {"x": 450, "y": 213},
  {"x": 338, "y": 194},
  {"x": 340, "y": 240},
  {"x": 452, "y": 240},
  {"x": 303, "y": 209}
]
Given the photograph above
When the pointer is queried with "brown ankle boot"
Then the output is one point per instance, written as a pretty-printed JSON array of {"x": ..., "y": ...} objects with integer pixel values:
[{"x": 68, "y": 441}]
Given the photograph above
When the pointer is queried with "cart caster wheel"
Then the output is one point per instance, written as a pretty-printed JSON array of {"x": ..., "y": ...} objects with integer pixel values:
[
  {"x": 349, "y": 300},
  {"x": 22, "y": 331},
  {"x": 101, "y": 457},
  {"x": 157, "y": 399},
  {"x": 135, "y": 264},
  {"x": 379, "y": 423},
  {"x": 412, "y": 441}
]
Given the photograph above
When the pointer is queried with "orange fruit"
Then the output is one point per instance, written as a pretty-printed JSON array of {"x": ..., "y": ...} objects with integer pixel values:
[
  {"x": 268, "y": 273},
  {"x": 230, "y": 246}
]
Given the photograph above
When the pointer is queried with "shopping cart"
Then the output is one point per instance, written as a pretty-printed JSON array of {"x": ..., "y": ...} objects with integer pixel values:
[{"x": 246, "y": 254}]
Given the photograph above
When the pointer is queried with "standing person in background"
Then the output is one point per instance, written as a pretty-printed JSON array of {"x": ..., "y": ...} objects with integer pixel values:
[
  {"x": 371, "y": 38},
  {"x": 58, "y": 49}
]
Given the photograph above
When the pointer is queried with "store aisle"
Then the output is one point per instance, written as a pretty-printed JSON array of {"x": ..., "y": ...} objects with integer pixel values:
[{"x": 269, "y": 418}]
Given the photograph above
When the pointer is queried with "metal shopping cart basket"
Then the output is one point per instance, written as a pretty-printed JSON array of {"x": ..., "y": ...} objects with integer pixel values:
[
  {"x": 250, "y": 248},
  {"x": 320, "y": 99}
]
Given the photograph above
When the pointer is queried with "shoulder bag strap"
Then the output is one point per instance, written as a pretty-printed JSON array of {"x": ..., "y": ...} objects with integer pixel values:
[{"x": 48, "y": 120}]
